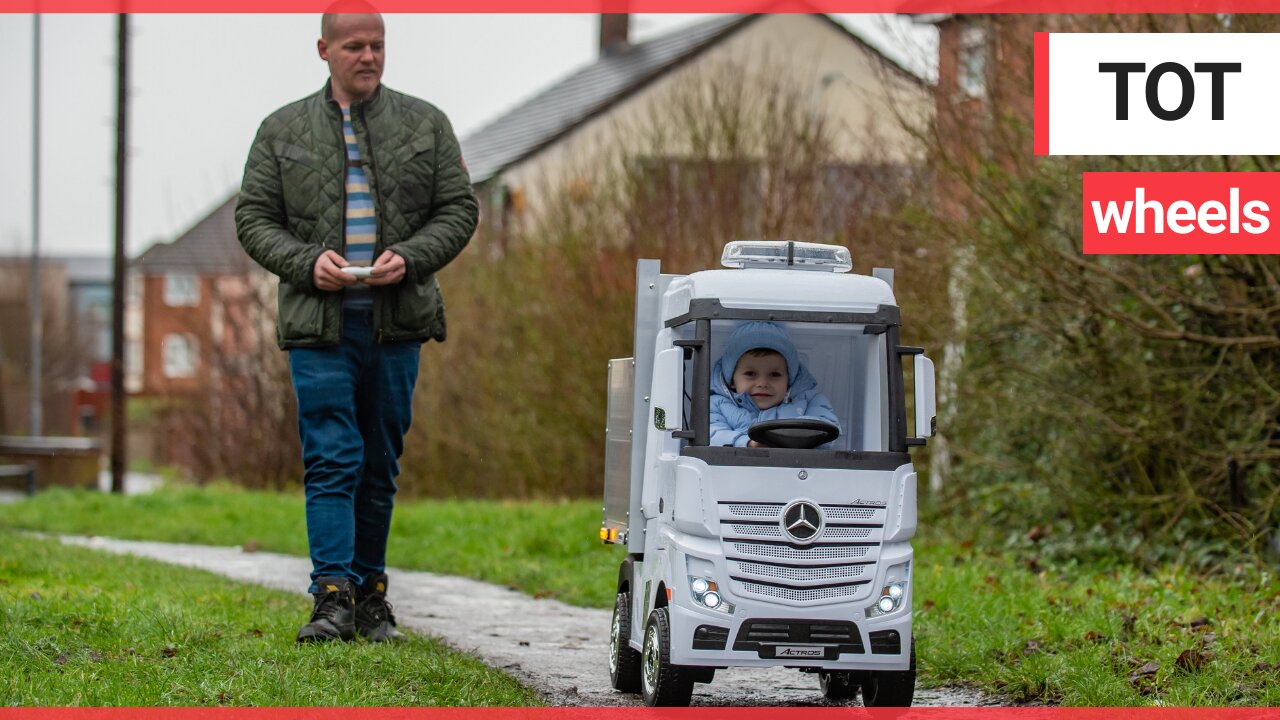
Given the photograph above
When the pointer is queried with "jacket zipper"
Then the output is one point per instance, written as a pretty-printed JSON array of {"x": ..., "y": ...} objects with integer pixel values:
[
  {"x": 342, "y": 182},
  {"x": 377, "y": 205}
]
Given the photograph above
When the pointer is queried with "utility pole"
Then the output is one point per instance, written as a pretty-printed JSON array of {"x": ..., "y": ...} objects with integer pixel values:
[
  {"x": 118, "y": 429},
  {"x": 36, "y": 422}
]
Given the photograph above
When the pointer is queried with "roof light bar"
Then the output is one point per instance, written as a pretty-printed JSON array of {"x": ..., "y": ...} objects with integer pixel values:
[{"x": 786, "y": 255}]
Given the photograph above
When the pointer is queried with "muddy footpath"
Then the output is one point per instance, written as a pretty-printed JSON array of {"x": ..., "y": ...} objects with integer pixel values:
[{"x": 558, "y": 650}]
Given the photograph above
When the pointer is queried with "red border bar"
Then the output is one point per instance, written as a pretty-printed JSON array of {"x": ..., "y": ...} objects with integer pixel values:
[
  {"x": 1041, "y": 93},
  {"x": 652, "y": 6},
  {"x": 633, "y": 713}
]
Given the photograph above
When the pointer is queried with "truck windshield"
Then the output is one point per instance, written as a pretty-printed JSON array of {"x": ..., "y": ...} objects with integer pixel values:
[{"x": 834, "y": 371}]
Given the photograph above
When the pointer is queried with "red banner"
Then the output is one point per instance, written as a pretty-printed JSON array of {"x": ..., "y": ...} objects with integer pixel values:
[{"x": 1181, "y": 213}]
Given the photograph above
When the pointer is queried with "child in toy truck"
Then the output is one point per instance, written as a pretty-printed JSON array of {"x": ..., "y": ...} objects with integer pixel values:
[{"x": 758, "y": 378}]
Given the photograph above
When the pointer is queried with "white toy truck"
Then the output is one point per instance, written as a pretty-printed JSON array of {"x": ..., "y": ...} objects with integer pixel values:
[{"x": 779, "y": 555}]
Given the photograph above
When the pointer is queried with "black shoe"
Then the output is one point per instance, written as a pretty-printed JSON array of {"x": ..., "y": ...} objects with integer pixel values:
[
  {"x": 374, "y": 618},
  {"x": 332, "y": 618}
]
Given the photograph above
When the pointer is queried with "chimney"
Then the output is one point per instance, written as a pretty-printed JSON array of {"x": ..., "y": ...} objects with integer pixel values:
[{"x": 614, "y": 28}]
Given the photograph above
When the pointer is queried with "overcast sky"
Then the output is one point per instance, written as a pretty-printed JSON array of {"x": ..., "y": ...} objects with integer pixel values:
[{"x": 201, "y": 84}]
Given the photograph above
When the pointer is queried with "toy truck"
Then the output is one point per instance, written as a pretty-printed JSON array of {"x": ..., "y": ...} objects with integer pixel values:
[{"x": 787, "y": 554}]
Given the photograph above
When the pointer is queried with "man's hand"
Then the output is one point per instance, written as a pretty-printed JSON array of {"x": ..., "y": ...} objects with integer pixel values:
[
  {"x": 388, "y": 269},
  {"x": 328, "y": 275}
]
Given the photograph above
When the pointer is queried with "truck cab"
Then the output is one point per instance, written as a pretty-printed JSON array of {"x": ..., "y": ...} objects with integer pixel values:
[{"x": 795, "y": 553}]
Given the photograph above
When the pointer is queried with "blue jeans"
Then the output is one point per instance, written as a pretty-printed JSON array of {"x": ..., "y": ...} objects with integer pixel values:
[{"x": 355, "y": 403}]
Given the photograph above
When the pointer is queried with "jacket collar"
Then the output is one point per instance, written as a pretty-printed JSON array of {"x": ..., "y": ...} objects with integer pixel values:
[{"x": 371, "y": 107}]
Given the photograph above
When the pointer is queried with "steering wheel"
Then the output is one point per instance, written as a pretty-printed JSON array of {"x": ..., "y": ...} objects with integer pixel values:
[{"x": 798, "y": 433}]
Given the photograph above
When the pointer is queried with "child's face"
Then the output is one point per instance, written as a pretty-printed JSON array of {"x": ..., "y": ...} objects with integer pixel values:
[{"x": 764, "y": 377}]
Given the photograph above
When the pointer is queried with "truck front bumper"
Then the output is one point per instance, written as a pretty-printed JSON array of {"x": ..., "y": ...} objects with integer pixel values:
[{"x": 792, "y": 638}]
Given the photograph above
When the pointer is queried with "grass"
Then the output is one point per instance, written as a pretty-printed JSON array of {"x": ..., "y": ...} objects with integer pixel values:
[
  {"x": 1081, "y": 636},
  {"x": 546, "y": 549},
  {"x": 82, "y": 628},
  {"x": 1076, "y": 634}
]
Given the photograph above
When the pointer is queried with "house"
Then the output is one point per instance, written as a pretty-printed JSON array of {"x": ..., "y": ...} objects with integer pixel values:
[
  {"x": 192, "y": 302},
  {"x": 547, "y": 140},
  {"x": 75, "y": 294},
  {"x": 202, "y": 363},
  {"x": 984, "y": 72}
]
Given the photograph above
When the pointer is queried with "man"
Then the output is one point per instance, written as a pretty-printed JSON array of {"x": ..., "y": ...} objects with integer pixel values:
[{"x": 361, "y": 179}]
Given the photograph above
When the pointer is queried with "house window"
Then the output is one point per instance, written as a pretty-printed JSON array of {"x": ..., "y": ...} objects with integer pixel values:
[
  {"x": 181, "y": 289},
  {"x": 133, "y": 357},
  {"x": 179, "y": 353},
  {"x": 972, "y": 65},
  {"x": 133, "y": 289}
]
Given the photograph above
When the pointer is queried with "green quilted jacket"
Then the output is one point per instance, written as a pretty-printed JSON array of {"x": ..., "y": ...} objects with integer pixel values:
[{"x": 292, "y": 202}]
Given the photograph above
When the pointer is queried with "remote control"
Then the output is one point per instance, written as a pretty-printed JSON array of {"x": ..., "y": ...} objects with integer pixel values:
[{"x": 360, "y": 272}]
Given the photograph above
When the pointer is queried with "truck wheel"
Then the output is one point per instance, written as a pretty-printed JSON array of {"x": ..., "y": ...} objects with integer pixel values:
[
  {"x": 624, "y": 663},
  {"x": 837, "y": 685},
  {"x": 891, "y": 688},
  {"x": 663, "y": 684}
]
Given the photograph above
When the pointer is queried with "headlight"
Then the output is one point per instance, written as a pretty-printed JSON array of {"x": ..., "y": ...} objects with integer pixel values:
[
  {"x": 894, "y": 591},
  {"x": 706, "y": 594}
]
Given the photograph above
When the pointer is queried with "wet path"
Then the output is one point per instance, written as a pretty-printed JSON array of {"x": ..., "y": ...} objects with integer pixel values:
[{"x": 558, "y": 650}]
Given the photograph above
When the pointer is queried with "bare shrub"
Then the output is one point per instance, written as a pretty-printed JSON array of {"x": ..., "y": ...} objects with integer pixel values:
[
  {"x": 1133, "y": 393},
  {"x": 513, "y": 404},
  {"x": 241, "y": 424}
]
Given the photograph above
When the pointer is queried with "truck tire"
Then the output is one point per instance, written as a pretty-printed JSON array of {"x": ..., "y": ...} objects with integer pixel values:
[
  {"x": 662, "y": 684},
  {"x": 837, "y": 685},
  {"x": 624, "y": 662},
  {"x": 891, "y": 688}
]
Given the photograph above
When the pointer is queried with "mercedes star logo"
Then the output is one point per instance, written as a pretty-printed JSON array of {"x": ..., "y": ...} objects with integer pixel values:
[{"x": 802, "y": 521}]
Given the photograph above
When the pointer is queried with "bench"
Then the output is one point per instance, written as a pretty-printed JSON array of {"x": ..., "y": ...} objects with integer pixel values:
[
  {"x": 70, "y": 461},
  {"x": 25, "y": 473}
]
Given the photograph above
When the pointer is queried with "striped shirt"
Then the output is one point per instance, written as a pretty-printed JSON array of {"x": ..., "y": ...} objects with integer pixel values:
[{"x": 361, "y": 225}]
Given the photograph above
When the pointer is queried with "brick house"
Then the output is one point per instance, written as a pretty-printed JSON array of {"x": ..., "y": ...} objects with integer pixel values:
[
  {"x": 191, "y": 302},
  {"x": 201, "y": 353}
]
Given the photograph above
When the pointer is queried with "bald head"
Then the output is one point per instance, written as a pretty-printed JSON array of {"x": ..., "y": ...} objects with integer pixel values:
[{"x": 332, "y": 22}]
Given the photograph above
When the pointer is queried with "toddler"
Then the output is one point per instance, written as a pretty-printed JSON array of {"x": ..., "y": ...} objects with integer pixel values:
[{"x": 759, "y": 377}]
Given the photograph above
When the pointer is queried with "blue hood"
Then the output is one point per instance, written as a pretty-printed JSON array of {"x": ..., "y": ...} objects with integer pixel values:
[{"x": 759, "y": 334}]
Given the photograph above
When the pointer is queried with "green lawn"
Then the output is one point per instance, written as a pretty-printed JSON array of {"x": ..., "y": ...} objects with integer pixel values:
[
  {"x": 547, "y": 549},
  {"x": 84, "y": 628},
  {"x": 1064, "y": 633},
  {"x": 1082, "y": 636}
]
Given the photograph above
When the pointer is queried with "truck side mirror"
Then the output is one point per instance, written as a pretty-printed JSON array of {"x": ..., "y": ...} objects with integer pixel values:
[
  {"x": 926, "y": 402},
  {"x": 666, "y": 398}
]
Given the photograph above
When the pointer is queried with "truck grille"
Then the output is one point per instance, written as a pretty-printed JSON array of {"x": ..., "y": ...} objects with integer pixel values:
[
  {"x": 772, "y": 511},
  {"x": 773, "y": 531},
  {"x": 835, "y": 592},
  {"x": 810, "y": 553},
  {"x": 845, "y": 512},
  {"x": 767, "y": 564},
  {"x": 799, "y": 574},
  {"x": 754, "y": 510}
]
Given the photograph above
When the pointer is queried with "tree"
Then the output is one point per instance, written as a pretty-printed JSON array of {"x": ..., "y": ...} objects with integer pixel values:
[{"x": 1126, "y": 392}]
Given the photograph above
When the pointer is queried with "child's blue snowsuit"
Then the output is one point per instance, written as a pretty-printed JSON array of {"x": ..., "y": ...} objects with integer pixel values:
[{"x": 732, "y": 414}]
